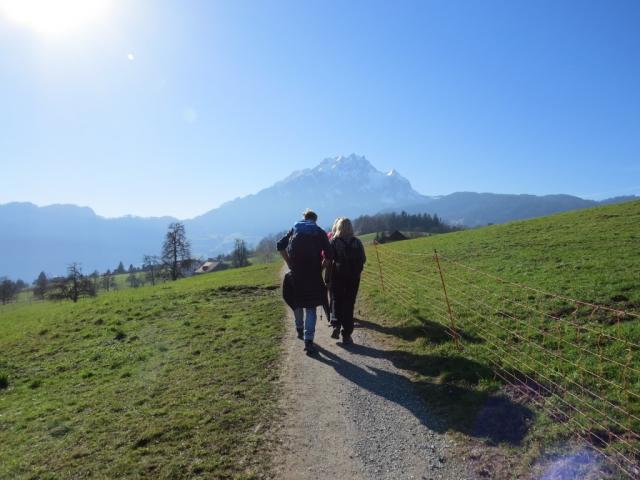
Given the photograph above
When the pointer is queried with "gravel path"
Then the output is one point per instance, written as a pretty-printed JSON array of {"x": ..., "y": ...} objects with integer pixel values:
[{"x": 350, "y": 414}]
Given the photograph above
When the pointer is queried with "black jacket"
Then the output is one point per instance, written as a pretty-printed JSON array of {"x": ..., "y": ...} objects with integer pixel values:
[{"x": 303, "y": 287}]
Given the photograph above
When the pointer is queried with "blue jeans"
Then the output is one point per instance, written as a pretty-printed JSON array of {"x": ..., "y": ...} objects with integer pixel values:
[{"x": 309, "y": 324}]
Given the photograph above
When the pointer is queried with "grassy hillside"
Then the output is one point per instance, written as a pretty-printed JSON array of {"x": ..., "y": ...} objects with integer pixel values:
[
  {"x": 532, "y": 368},
  {"x": 368, "y": 238},
  {"x": 167, "y": 382}
]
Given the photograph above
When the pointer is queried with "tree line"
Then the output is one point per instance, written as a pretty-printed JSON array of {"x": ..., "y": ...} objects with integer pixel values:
[
  {"x": 174, "y": 261},
  {"x": 378, "y": 223},
  {"x": 386, "y": 222}
]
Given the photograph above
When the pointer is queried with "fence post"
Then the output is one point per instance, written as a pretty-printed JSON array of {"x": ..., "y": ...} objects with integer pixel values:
[
  {"x": 446, "y": 297},
  {"x": 626, "y": 388},
  {"x": 375, "y": 246}
]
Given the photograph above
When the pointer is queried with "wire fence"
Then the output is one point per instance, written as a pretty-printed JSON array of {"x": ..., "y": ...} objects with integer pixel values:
[{"x": 577, "y": 361}]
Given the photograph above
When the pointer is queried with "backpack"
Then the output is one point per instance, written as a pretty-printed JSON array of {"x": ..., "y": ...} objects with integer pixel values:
[
  {"x": 304, "y": 246},
  {"x": 350, "y": 261}
]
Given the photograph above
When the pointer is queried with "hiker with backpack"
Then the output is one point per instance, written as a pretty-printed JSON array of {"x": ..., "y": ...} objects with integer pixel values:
[
  {"x": 303, "y": 248},
  {"x": 348, "y": 261}
]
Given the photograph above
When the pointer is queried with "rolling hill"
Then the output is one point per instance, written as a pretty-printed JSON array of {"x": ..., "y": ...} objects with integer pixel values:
[
  {"x": 546, "y": 314},
  {"x": 34, "y": 239}
]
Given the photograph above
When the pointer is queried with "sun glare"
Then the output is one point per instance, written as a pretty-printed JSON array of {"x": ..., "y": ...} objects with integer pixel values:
[{"x": 55, "y": 16}]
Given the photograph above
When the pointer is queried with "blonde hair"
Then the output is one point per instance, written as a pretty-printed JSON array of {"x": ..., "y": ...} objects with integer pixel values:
[
  {"x": 335, "y": 225},
  {"x": 344, "y": 228}
]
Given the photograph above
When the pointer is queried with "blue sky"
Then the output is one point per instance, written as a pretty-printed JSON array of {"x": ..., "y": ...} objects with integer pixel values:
[{"x": 221, "y": 99}]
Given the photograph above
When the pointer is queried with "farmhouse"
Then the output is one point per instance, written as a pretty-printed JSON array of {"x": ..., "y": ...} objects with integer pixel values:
[
  {"x": 394, "y": 236},
  {"x": 210, "y": 266}
]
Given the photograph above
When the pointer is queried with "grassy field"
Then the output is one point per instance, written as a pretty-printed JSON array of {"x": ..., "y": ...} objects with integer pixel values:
[
  {"x": 167, "y": 382},
  {"x": 532, "y": 369}
]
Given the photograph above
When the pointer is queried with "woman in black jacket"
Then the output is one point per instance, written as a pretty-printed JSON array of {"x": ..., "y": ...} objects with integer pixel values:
[{"x": 348, "y": 261}]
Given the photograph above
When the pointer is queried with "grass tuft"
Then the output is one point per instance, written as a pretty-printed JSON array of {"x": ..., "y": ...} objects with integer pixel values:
[{"x": 120, "y": 335}]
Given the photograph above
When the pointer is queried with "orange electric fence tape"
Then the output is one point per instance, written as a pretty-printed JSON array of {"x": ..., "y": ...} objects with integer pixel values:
[{"x": 409, "y": 279}]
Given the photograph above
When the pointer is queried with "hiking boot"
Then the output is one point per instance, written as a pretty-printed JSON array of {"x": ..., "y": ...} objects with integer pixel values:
[
  {"x": 335, "y": 333},
  {"x": 347, "y": 340},
  {"x": 300, "y": 333},
  {"x": 309, "y": 347}
]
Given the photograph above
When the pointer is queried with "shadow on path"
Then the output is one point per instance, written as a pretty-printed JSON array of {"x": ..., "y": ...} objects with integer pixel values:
[
  {"x": 434, "y": 331},
  {"x": 449, "y": 405}
]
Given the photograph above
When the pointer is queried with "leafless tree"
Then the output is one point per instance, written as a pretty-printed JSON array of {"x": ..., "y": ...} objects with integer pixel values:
[
  {"x": 134, "y": 281},
  {"x": 108, "y": 282},
  {"x": 240, "y": 255},
  {"x": 8, "y": 290},
  {"x": 176, "y": 250},
  {"x": 151, "y": 265},
  {"x": 95, "y": 278},
  {"x": 74, "y": 281},
  {"x": 73, "y": 286}
]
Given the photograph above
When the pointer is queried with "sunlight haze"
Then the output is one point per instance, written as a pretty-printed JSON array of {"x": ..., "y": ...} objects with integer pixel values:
[
  {"x": 55, "y": 17},
  {"x": 111, "y": 104}
]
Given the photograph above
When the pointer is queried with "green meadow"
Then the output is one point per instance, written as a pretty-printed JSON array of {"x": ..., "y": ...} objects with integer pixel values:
[
  {"x": 172, "y": 381},
  {"x": 177, "y": 380},
  {"x": 521, "y": 367}
]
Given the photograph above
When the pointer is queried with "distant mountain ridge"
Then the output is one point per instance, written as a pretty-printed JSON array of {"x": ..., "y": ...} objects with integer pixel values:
[{"x": 35, "y": 238}]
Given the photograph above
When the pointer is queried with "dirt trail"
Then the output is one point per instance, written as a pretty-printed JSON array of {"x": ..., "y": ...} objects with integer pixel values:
[{"x": 350, "y": 414}]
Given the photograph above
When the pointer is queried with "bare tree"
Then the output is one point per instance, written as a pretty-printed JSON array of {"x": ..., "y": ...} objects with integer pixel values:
[
  {"x": 108, "y": 282},
  {"x": 240, "y": 256},
  {"x": 266, "y": 250},
  {"x": 74, "y": 279},
  {"x": 134, "y": 281},
  {"x": 73, "y": 286},
  {"x": 176, "y": 250},
  {"x": 8, "y": 290},
  {"x": 151, "y": 265},
  {"x": 95, "y": 278}
]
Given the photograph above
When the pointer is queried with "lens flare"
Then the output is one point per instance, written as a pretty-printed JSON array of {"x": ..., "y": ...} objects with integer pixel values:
[{"x": 55, "y": 17}]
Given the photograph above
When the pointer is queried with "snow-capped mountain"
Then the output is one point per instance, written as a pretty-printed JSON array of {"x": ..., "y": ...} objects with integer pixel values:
[
  {"x": 339, "y": 186},
  {"x": 48, "y": 238}
]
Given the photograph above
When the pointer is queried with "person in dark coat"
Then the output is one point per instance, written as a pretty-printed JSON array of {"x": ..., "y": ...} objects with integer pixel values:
[
  {"x": 348, "y": 261},
  {"x": 304, "y": 290}
]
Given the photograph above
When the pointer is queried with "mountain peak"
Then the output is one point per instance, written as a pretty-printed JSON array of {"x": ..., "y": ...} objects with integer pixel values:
[{"x": 351, "y": 162}]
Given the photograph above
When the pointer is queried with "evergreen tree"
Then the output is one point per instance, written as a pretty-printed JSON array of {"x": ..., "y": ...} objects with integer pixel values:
[{"x": 40, "y": 286}]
